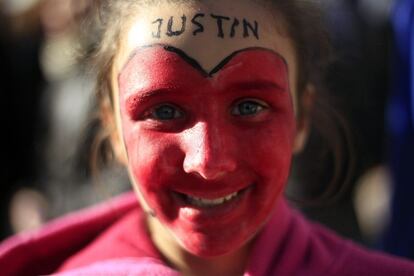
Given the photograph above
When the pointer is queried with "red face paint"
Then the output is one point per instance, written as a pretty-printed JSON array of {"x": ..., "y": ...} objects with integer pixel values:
[{"x": 190, "y": 134}]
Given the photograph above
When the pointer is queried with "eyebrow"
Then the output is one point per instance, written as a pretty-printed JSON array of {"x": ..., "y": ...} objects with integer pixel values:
[
  {"x": 191, "y": 61},
  {"x": 194, "y": 63},
  {"x": 142, "y": 97},
  {"x": 257, "y": 85}
]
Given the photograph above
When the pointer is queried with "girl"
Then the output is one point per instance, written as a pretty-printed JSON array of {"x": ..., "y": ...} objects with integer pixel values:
[{"x": 205, "y": 102}]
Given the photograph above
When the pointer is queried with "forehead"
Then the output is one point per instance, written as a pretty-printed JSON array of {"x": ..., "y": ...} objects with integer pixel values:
[{"x": 208, "y": 31}]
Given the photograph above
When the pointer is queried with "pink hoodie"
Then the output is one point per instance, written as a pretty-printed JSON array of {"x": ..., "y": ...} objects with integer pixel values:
[{"x": 111, "y": 239}]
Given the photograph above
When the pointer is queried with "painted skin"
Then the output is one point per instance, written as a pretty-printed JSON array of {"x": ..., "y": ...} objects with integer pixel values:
[{"x": 192, "y": 135}]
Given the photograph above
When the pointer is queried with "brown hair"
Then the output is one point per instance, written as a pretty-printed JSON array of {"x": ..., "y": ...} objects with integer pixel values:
[
  {"x": 330, "y": 140},
  {"x": 101, "y": 34}
]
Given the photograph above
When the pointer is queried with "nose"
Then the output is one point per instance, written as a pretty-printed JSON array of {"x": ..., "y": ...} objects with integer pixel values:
[{"x": 208, "y": 151}]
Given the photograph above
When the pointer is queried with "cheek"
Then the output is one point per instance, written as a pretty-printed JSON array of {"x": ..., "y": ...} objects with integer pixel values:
[
  {"x": 151, "y": 160},
  {"x": 268, "y": 149},
  {"x": 150, "y": 154},
  {"x": 269, "y": 155}
]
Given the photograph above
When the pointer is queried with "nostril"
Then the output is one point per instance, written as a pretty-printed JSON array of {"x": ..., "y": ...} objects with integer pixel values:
[
  {"x": 209, "y": 168},
  {"x": 207, "y": 175},
  {"x": 207, "y": 153}
]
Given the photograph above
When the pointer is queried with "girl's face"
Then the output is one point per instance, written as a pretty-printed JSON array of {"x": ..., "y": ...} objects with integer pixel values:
[{"x": 204, "y": 97}]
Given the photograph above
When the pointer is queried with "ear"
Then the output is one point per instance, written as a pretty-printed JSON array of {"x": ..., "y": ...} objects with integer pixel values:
[
  {"x": 306, "y": 102},
  {"x": 110, "y": 123}
]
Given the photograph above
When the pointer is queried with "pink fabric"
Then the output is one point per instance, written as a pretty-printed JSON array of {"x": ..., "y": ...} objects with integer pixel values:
[
  {"x": 129, "y": 266},
  {"x": 111, "y": 239},
  {"x": 127, "y": 238},
  {"x": 42, "y": 252},
  {"x": 291, "y": 245}
]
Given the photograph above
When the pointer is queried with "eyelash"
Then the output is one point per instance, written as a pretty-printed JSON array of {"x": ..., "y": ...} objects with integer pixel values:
[
  {"x": 152, "y": 113},
  {"x": 167, "y": 112},
  {"x": 259, "y": 106}
]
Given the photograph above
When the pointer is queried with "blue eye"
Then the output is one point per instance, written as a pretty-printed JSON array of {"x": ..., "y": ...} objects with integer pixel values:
[
  {"x": 247, "y": 108},
  {"x": 165, "y": 112}
]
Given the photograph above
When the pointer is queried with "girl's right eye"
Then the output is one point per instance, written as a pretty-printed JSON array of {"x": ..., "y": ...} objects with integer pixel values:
[{"x": 164, "y": 112}]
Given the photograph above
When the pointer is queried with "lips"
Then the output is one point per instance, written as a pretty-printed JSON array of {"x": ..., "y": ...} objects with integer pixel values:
[
  {"x": 203, "y": 202},
  {"x": 208, "y": 201},
  {"x": 207, "y": 212}
]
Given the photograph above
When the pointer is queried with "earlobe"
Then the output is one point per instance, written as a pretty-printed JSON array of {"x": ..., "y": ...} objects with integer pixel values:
[
  {"x": 300, "y": 139},
  {"x": 306, "y": 103}
]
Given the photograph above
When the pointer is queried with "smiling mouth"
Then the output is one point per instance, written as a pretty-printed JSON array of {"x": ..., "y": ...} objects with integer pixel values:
[{"x": 209, "y": 203}]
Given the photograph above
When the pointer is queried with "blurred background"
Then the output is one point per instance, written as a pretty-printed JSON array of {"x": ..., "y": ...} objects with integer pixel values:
[
  {"x": 49, "y": 116},
  {"x": 49, "y": 122}
]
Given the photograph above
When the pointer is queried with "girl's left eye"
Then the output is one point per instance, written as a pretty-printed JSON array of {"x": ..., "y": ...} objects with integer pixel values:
[
  {"x": 165, "y": 112},
  {"x": 248, "y": 108}
]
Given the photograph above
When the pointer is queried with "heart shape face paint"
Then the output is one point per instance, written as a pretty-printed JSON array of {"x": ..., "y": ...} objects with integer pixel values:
[{"x": 209, "y": 151}]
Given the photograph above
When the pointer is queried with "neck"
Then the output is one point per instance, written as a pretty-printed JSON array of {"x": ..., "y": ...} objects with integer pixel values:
[{"x": 233, "y": 263}]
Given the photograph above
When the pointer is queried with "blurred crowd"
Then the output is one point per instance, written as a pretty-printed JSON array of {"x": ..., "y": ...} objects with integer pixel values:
[{"x": 49, "y": 118}]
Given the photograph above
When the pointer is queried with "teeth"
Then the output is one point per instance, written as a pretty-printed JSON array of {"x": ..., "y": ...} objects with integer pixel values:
[{"x": 201, "y": 202}]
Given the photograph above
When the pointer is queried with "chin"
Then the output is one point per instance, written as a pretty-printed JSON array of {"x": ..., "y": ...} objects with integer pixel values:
[
  {"x": 221, "y": 241},
  {"x": 205, "y": 247}
]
